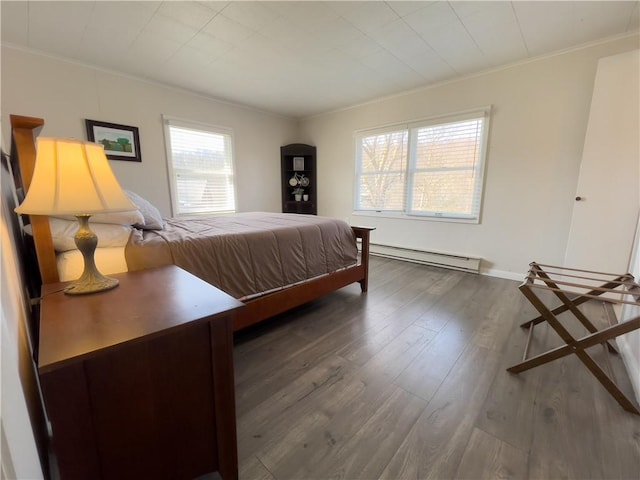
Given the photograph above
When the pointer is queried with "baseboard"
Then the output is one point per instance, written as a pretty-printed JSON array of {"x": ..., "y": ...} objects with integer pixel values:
[
  {"x": 491, "y": 272},
  {"x": 630, "y": 363},
  {"x": 454, "y": 261}
]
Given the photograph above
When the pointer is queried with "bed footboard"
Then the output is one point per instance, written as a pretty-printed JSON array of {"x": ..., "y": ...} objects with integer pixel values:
[{"x": 267, "y": 306}]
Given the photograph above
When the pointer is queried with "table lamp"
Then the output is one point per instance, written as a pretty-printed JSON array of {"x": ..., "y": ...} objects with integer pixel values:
[{"x": 75, "y": 178}]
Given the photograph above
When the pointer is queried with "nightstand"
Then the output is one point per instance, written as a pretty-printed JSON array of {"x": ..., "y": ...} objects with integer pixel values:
[{"x": 138, "y": 381}]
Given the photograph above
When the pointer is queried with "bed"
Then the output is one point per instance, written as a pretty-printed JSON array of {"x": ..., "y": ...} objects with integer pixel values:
[{"x": 271, "y": 262}]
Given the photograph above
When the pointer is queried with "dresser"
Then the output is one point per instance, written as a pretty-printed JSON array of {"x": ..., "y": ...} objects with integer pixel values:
[{"x": 138, "y": 381}]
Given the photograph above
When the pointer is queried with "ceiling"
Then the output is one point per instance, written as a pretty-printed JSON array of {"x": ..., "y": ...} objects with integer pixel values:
[{"x": 303, "y": 58}]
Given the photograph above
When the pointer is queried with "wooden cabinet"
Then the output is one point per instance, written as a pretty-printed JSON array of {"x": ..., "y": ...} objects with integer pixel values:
[
  {"x": 298, "y": 171},
  {"x": 138, "y": 381}
]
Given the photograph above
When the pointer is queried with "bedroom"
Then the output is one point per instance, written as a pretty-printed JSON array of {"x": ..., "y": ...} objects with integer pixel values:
[{"x": 541, "y": 109}]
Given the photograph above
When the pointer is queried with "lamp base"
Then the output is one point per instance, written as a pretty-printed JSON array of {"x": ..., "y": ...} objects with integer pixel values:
[
  {"x": 99, "y": 283},
  {"x": 91, "y": 280}
]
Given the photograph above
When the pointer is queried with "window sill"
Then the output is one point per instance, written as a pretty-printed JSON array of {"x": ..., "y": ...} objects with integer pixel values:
[{"x": 422, "y": 218}]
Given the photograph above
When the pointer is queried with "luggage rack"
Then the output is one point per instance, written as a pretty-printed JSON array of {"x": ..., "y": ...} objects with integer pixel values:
[{"x": 574, "y": 287}]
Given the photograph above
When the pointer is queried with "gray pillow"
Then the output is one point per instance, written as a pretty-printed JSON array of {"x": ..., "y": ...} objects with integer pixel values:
[{"x": 152, "y": 217}]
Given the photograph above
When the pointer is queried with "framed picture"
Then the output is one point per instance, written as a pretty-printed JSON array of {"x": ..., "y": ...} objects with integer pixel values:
[
  {"x": 121, "y": 142},
  {"x": 298, "y": 163}
]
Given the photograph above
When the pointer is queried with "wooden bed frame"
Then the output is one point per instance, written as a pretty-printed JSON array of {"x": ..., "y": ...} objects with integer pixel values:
[{"x": 24, "y": 133}]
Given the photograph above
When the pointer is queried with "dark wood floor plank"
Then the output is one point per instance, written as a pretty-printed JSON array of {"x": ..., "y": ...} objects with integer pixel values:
[
  {"x": 446, "y": 282},
  {"x": 254, "y": 469},
  {"x": 381, "y": 334},
  {"x": 393, "y": 313},
  {"x": 493, "y": 332},
  {"x": 385, "y": 273},
  {"x": 425, "y": 374},
  {"x": 436, "y": 443},
  {"x": 568, "y": 401},
  {"x": 352, "y": 320},
  {"x": 362, "y": 389},
  {"x": 454, "y": 302},
  {"x": 553, "y": 427},
  {"x": 402, "y": 313},
  {"x": 508, "y": 410},
  {"x": 351, "y": 325},
  {"x": 253, "y": 363},
  {"x": 488, "y": 457},
  {"x": 303, "y": 454},
  {"x": 366, "y": 454},
  {"x": 283, "y": 365},
  {"x": 292, "y": 409},
  {"x": 393, "y": 359},
  {"x": 459, "y": 315},
  {"x": 409, "y": 381}
]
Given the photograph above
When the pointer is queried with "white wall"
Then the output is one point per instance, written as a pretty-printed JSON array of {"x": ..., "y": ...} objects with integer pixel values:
[
  {"x": 540, "y": 112},
  {"x": 65, "y": 94}
]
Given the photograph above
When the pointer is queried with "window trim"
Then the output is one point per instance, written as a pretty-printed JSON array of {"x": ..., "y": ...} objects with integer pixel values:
[
  {"x": 168, "y": 121},
  {"x": 406, "y": 213}
]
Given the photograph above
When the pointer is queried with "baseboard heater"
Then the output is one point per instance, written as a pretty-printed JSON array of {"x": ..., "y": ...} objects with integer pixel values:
[{"x": 437, "y": 259}]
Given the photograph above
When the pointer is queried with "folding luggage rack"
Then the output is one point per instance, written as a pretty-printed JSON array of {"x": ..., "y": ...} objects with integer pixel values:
[{"x": 574, "y": 287}]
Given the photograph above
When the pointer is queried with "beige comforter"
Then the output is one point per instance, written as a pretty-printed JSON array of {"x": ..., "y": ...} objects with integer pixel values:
[{"x": 247, "y": 254}]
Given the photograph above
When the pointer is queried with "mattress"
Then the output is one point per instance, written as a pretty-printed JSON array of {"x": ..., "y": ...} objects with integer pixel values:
[{"x": 247, "y": 254}]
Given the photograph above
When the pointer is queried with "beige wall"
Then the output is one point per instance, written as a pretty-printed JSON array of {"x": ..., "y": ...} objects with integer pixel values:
[
  {"x": 65, "y": 94},
  {"x": 540, "y": 112}
]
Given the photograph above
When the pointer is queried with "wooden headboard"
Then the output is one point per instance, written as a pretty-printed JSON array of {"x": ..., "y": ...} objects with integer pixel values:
[{"x": 24, "y": 131}]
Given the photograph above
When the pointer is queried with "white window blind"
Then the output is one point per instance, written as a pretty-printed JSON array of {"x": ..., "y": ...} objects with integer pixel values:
[
  {"x": 201, "y": 168},
  {"x": 430, "y": 168}
]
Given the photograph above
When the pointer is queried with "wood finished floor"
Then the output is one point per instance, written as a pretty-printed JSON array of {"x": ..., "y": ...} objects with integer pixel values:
[{"x": 409, "y": 381}]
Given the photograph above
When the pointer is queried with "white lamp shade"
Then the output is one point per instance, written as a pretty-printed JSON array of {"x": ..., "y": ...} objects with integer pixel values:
[{"x": 73, "y": 178}]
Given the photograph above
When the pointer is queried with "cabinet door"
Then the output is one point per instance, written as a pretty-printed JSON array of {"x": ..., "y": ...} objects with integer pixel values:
[
  {"x": 144, "y": 410},
  {"x": 153, "y": 407}
]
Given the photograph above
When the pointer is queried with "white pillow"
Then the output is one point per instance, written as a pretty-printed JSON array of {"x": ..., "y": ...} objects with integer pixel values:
[
  {"x": 130, "y": 217},
  {"x": 63, "y": 231},
  {"x": 152, "y": 216}
]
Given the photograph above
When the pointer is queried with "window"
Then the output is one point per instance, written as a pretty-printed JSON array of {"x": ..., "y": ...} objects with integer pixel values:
[
  {"x": 200, "y": 161},
  {"x": 431, "y": 168}
]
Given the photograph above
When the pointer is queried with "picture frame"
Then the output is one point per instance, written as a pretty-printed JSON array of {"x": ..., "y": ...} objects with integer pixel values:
[
  {"x": 121, "y": 142},
  {"x": 298, "y": 163}
]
